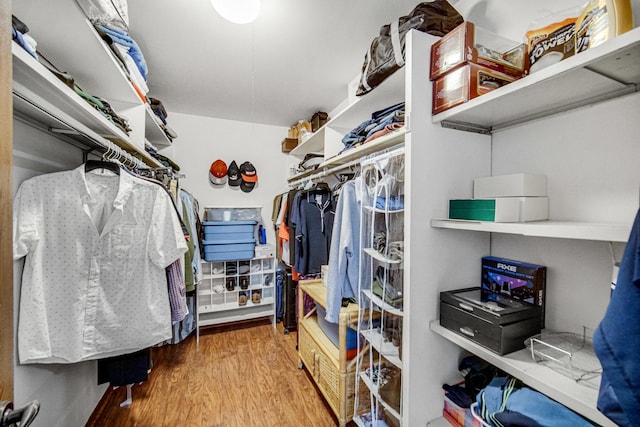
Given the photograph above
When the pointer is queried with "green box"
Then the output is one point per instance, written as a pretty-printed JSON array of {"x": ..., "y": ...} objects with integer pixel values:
[{"x": 496, "y": 210}]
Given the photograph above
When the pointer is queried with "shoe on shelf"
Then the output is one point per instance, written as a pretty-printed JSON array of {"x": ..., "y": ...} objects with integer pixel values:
[
  {"x": 267, "y": 280},
  {"x": 230, "y": 284},
  {"x": 256, "y": 297},
  {"x": 244, "y": 282},
  {"x": 242, "y": 298}
]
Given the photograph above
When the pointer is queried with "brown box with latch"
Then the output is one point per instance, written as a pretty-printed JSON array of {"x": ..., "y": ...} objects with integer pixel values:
[{"x": 468, "y": 43}]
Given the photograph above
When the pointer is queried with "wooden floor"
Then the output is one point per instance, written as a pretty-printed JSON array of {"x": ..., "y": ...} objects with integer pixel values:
[{"x": 239, "y": 375}]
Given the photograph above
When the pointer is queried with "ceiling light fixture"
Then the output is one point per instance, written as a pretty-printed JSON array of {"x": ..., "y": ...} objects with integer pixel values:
[{"x": 237, "y": 11}]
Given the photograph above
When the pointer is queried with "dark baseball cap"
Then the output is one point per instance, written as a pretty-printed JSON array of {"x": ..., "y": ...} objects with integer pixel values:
[
  {"x": 233, "y": 174},
  {"x": 249, "y": 177}
]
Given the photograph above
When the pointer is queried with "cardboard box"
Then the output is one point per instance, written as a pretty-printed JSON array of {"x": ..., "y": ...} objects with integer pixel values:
[
  {"x": 318, "y": 120},
  {"x": 468, "y": 43},
  {"x": 289, "y": 144},
  {"x": 519, "y": 280},
  {"x": 264, "y": 251},
  {"x": 505, "y": 209},
  {"x": 464, "y": 83},
  {"x": 514, "y": 185},
  {"x": 533, "y": 209},
  {"x": 500, "y": 209}
]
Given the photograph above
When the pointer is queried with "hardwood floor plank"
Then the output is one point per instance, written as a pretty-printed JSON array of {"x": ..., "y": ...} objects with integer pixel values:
[{"x": 238, "y": 375}]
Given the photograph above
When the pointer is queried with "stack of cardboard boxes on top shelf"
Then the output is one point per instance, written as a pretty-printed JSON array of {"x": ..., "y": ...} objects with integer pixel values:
[
  {"x": 302, "y": 130},
  {"x": 470, "y": 61}
]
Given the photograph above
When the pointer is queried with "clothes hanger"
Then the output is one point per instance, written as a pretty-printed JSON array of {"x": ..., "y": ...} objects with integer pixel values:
[
  {"x": 308, "y": 185},
  {"x": 320, "y": 186},
  {"x": 90, "y": 165}
]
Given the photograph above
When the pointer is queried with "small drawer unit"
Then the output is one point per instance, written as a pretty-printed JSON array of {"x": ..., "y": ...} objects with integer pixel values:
[
  {"x": 229, "y": 240},
  {"x": 495, "y": 321}
]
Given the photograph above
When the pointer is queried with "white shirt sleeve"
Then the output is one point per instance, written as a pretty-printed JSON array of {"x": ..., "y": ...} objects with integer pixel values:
[{"x": 166, "y": 240}]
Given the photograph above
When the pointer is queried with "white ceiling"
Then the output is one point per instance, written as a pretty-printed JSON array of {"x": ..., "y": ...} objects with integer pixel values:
[{"x": 295, "y": 59}]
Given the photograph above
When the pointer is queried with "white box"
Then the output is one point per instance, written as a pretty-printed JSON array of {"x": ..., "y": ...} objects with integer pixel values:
[
  {"x": 264, "y": 251},
  {"x": 534, "y": 208},
  {"x": 516, "y": 185},
  {"x": 507, "y": 209}
]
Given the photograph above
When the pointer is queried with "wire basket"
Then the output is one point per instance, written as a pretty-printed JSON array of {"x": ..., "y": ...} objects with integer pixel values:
[{"x": 568, "y": 353}]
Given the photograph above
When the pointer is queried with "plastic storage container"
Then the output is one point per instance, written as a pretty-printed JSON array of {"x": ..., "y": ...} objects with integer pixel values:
[
  {"x": 232, "y": 214},
  {"x": 229, "y": 240}
]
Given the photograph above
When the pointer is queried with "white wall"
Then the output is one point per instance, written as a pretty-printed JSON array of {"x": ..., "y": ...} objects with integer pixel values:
[
  {"x": 590, "y": 158},
  {"x": 202, "y": 140}
]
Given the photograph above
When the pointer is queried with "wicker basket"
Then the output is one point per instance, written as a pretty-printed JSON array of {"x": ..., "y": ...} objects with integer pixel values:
[{"x": 327, "y": 364}]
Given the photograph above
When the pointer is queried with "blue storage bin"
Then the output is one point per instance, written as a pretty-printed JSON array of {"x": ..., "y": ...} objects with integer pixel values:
[
  {"x": 228, "y": 250},
  {"x": 229, "y": 230},
  {"x": 331, "y": 330},
  {"x": 217, "y": 236},
  {"x": 229, "y": 246},
  {"x": 229, "y": 256}
]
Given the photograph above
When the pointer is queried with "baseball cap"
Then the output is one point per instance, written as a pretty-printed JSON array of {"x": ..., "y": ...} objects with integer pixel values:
[
  {"x": 218, "y": 172},
  {"x": 233, "y": 173},
  {"x": 249, "y": 177}
]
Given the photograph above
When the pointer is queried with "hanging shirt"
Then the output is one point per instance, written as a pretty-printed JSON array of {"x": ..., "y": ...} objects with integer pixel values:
[
  {"x": 94, "y": 282},
  {"x": 313, "y": 226},
  {"x": 344, "y": 256}
]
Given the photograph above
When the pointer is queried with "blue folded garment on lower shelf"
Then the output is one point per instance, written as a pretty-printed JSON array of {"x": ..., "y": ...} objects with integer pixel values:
[{"x": 331, "y": 330}]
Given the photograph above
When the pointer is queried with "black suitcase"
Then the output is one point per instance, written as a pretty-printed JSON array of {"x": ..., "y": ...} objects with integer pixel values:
[{"x": 289, "y": 299}]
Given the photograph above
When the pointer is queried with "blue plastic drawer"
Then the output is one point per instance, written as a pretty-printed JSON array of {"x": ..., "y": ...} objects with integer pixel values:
[
  {"x": 216, "y": 236},
  {"x": 229, "y": 255},
  {"x": 232, "y": 247},
  {"x": 227, "y": 227}
]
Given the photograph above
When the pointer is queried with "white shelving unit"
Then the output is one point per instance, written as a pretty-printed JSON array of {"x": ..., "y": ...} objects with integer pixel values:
[
  {"x": 71, "y": 43},
  {"x": 564, "y": 121},
  {"x": 604, "y": 72},
  {"x": 552, "y": 229},
  {"x": 218, "y": 302},
  {"x": 428, "y": 160},
  {"x": 575, "y": 122},
  {"x": 581, "y": 399},
  {"x": 41, "y": 96}
]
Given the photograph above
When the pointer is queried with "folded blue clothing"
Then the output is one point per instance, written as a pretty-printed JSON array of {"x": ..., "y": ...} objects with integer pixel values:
[
  {"x": 122, "y": 38},
  {"x": 502, "y": 394},
  {"x": 392, "y": 203},
  {"x": 379, "y": 119},
  {"x": 19, "y": 38}
]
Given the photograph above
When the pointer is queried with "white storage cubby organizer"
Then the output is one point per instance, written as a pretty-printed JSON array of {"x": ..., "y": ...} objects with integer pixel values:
[{"x": 236, "y": 290}]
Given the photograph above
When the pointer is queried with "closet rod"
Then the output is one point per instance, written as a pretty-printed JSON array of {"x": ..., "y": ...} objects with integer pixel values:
[
  {"x": 87, "y": 142},
  {"x": 324, "y": 171},
  {"x": 320, "y": 173},
  {"x": 383, "y": 155}
]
